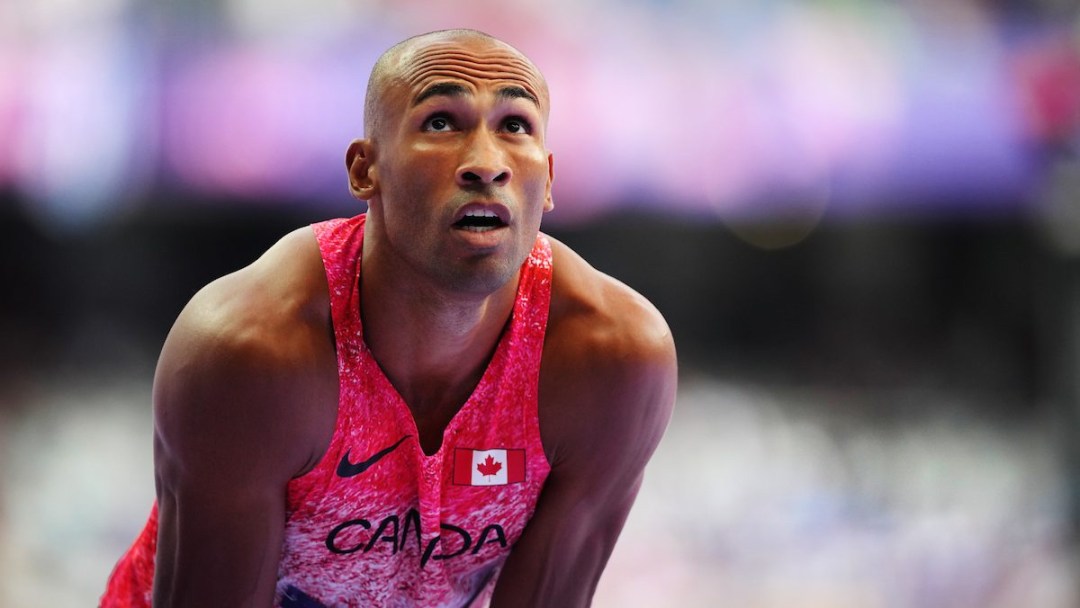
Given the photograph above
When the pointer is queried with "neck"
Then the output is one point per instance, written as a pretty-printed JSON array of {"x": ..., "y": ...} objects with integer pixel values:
[{"x": 433, "y": 345}]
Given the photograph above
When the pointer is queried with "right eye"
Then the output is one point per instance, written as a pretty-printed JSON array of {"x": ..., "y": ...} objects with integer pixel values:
[{"x": 437, "y": 123}]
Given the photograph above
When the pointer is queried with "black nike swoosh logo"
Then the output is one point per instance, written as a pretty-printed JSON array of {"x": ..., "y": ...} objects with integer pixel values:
[{"x": 348, "y": 469}]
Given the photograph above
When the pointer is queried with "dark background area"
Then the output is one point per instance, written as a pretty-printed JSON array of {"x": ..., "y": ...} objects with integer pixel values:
[{"x": 942, "y": 302}]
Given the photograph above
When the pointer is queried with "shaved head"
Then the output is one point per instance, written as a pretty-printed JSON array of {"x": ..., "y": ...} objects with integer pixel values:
[{"x": 391, "y": 65}]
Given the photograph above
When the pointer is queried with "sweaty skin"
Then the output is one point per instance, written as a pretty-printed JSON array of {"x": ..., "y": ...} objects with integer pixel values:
[
  {"x": 466, "y": 144},
  {"x": 246, "y": 390}
]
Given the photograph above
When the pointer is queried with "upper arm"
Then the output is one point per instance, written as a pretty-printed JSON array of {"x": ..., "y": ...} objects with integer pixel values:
[
  {"x": 607, "y": 397},
  {"x": 230, "y": 396}
]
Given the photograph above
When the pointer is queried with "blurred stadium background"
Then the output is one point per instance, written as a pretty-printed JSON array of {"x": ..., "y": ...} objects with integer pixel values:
[{"x": 861, "y": 218}]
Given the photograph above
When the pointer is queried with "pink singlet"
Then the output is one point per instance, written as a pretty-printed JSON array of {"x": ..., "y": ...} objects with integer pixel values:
[{"x": 377, "y": 522}]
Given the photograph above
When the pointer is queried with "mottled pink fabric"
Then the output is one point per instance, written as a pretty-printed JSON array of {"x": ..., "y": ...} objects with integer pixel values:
[{"x": 379, "y": 523}]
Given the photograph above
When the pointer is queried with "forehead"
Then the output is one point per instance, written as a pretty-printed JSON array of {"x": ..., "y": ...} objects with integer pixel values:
[{"x": 473, "y": 61}]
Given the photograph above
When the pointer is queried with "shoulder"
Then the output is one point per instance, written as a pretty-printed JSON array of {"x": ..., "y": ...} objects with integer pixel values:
[
  {"x": 283, "y": 289},
  {"x": 255, "y": 317},
  {"x": 609, "y": 360},
  {"x": 600, "y": 324},
  {"x": 250, "y": 359}
]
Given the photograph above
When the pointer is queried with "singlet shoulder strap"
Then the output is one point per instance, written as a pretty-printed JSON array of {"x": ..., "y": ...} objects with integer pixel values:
[{"x": 340, "y": 243}]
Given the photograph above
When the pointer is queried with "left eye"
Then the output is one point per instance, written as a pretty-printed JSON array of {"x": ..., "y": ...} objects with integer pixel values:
[{"x": 515, "y": 125}]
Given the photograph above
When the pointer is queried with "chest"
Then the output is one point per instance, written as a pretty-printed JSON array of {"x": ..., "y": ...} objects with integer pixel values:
[{"x": 378, "y": 507}]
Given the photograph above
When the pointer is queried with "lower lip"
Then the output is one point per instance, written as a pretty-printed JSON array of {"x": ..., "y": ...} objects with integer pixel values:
[{"x": 484, "y": 238}]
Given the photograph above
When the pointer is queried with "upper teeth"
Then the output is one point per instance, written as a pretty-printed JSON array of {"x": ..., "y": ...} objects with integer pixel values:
[{"x": 479, "y": 213}]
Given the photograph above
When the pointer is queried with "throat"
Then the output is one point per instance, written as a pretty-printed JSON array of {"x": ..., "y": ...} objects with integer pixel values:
[
  {"x": 433, "y": 347},
  {"x": 434, "y": 408},
  {"x": 433, "y": 384}
]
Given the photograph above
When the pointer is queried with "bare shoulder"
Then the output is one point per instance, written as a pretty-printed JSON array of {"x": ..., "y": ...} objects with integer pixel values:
[
  {"x": 604, "y": 315},
  {"x": 249, "y": 365},
  {"x": 257, "y": 315},
  {"x": 609, "y": 361}
]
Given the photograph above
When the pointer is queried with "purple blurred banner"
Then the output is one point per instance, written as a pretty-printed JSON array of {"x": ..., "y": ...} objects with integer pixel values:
[{"x": 724, "y": 112}]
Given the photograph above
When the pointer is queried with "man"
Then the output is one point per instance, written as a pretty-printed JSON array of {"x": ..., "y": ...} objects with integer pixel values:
[{"x": 431, "y": 405}]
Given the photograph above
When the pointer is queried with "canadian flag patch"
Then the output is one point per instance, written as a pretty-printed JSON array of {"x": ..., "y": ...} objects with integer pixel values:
[{"x": 488, "y": 467}]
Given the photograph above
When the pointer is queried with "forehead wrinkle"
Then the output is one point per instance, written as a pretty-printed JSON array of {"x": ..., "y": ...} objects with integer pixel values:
[
  {"x": 456, "y": 50},
  {"x": 420, "y": 70},
  {"x": 424, "y": 82},
  {"x": 483, "y": 71},
  {"x": 472, "y": 58},
  {"x": 452, "y": 89},
  {"x": 497, "y": 63},
  {"x": 423, "y": 64}
]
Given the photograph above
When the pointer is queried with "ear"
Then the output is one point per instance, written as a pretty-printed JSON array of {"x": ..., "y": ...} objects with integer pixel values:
[
  {"x": 359, "y": 161},
  {"x": 549, "y": 204}
]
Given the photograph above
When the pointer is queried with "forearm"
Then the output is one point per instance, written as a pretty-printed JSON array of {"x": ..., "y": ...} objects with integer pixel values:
[{"x": 558, "y": 561}]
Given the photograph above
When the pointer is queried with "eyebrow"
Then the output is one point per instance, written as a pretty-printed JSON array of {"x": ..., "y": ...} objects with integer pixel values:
[
  {"x": 446, "y": 89},
  {"x": 450, "y": 89},
  {"x": 516, "y": 92}
]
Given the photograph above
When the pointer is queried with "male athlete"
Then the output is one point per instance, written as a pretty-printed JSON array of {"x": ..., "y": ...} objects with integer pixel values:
[{"x": 430, "y": 405}]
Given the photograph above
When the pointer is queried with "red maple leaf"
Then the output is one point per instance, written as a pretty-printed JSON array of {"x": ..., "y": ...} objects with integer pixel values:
[{"x": 489, "y": 467}]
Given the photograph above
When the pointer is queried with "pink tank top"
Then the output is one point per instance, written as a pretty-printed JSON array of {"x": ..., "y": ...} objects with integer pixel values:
[{"x": 377, "y": 522}]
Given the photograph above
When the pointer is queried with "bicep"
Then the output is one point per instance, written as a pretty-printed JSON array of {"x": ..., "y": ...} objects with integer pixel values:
[{"x": 223, "y": 456}]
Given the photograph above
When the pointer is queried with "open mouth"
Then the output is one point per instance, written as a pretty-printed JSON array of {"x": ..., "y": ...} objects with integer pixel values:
[{"x": 479, "y": 221}]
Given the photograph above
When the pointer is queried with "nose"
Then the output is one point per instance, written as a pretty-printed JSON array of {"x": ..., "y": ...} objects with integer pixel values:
[{"x": 484, "y": 162}]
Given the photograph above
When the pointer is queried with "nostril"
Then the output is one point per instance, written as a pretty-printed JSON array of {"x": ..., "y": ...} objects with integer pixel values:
[{"x": 473, "y": 177}]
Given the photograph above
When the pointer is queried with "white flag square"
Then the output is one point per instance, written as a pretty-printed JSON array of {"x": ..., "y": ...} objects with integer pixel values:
[{"x": 489, "y": 468}]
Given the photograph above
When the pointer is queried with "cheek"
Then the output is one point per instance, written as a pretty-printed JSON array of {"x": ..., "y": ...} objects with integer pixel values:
[
  {"x": 411, "y": 173},
  {"x": 534, "y": 166}
]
